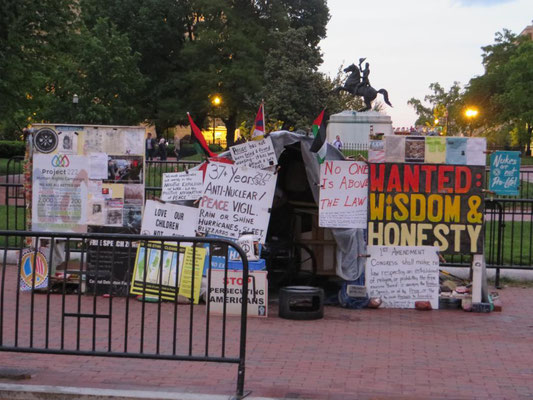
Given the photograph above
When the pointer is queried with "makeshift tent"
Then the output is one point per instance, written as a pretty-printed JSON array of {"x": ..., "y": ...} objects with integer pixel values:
[{"x": 299, "y": 181}]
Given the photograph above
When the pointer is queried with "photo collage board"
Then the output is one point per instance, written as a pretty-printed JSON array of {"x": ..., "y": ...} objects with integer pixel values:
[{"x": 87, "y": 176}]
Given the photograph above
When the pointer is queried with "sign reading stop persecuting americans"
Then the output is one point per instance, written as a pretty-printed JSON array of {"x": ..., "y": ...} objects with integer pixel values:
[
  {"x": 343, "y": 194},
  {"x": 427, "y": 205},
  {"x": 236, "y": 200}
]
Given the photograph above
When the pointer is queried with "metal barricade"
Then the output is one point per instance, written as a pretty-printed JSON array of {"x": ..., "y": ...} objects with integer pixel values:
[{"x": 86, "y": 307}]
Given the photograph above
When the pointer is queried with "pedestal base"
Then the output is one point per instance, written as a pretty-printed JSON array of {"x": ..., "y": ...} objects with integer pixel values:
[{"x": 354, "y": 127}]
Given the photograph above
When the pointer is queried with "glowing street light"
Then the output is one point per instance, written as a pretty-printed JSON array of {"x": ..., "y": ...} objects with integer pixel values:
[
  {"x": 470, "y": 114},
  {"x": 216, "y": 101}
]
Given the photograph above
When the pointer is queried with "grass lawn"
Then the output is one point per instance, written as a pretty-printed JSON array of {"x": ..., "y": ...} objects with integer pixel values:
[
  {"x": 11, "y": 218},
  {"x": 15, "y": 167},
  {"x": 517, "y": 242}
]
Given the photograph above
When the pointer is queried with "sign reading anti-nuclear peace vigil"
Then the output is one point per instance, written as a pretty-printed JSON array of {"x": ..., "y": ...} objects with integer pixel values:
[{"x": 426, "y": 205}]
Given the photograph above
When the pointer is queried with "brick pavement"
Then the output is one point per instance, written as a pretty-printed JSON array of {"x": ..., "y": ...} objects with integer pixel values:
[{"x": 350, "y": 354}]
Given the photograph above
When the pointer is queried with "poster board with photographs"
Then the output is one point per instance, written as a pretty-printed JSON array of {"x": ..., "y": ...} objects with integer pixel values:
[{"x": 87, "y": 175}]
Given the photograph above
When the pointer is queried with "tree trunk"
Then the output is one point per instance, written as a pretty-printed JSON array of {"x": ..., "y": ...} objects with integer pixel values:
[{"x": 231, "y": 126}]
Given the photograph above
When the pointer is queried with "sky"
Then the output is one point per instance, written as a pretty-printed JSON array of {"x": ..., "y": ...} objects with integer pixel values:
[{"x": 412, "y": 43}]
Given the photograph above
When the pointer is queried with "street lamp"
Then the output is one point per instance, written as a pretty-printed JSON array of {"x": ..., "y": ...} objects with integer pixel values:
[
  {"x": 216, "y": 101},
  {"x": 470, "y": 114},
  {"x": 75, "y": 101}
]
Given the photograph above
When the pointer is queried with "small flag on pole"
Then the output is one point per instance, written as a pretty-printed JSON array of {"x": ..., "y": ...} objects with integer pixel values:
[
  {"x": 319, "y": 145},
  {"x": 200, "y": 141},
  {"x": 258, "y": 130}
]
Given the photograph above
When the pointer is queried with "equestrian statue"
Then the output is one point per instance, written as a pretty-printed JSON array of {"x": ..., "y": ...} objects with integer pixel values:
[{"x": 358, "y": 85}]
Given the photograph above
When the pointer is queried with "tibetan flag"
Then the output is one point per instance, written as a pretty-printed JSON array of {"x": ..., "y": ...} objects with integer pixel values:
[
  {"x": 319, "y": 145},
  {"x": 258, "y": 130},
  {"x": 200, "y": 141}
]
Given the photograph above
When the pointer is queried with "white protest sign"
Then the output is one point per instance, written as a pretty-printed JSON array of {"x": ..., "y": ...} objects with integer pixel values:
[
  {"x": 254, "y": 154},
  {"x": 257, "y": 302},
  {"x": 182, "y": 186},
  {"x": 343, "y": 194},
  {"x": 59, "y": 196},
  {"x": 169, "y": 219},
  {"x": 236, "y": 200},
  {"x": 401, "y": 275}
]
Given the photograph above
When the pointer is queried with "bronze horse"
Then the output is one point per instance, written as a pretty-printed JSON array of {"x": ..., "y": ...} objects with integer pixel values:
[{"x": 367, "y": 92}]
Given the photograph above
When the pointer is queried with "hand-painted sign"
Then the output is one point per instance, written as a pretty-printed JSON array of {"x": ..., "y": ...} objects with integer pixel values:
[
  {"x": 254, "y": 154},
  {"x": 236, "y": 201},
  {"x": 169, "y": 219},
  {"x": 426, "y": 205},
  {"x": 343, "y": 194},
  {"x": 400, "y": 275},
  {"x": 505, "y": 172},
  {"x": 182, "y": 186}
]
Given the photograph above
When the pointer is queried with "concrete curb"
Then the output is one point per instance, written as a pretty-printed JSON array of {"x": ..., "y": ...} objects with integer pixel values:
[{"x": 40, "y": 392}]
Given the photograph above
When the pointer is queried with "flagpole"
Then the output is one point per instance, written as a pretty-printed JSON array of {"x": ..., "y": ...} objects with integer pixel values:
[{"x": 263, "y": 108}]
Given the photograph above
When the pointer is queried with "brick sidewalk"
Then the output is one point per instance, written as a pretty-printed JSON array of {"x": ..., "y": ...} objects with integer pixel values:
[{"x": 350, "y": 354}]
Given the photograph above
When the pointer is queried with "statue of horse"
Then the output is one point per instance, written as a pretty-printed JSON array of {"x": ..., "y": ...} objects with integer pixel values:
[{"x": 353, "y": 85}]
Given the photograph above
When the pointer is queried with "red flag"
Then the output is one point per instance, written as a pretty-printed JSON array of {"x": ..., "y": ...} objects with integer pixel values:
[
  {"x": 200, "y": 138},
  {"x": 258, "y": 130}
]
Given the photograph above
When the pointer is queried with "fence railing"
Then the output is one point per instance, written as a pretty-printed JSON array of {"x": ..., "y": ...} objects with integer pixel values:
[
  {"x": 156, "y": 169},
  {"x": 95, "y": 314}
]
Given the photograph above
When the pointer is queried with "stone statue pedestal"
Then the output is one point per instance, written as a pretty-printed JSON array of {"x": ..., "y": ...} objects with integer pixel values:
[{"x": 354, "y": 127}]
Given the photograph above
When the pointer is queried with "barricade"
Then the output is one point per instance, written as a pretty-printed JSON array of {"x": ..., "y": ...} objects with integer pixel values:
[{"x": 72, "y": 293}]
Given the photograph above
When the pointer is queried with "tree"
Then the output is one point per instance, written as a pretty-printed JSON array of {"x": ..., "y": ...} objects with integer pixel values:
[
  {"x": 444, "y": 105},
  {"x": 504, "y": 91},
  {"x": 32, "y": 33}
]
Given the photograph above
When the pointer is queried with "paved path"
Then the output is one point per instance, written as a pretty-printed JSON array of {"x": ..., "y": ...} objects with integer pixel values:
[{"x": 350, "y": 354}]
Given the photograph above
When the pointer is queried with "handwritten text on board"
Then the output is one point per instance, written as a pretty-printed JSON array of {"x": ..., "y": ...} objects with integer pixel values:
[
  {"x": 255, "y": 154},
  {"x": 343, "y": 194},
  {"x": 402, "y": 275},
  {"x": 236, "y": 200},
  {"x": 182, "y": 186}
]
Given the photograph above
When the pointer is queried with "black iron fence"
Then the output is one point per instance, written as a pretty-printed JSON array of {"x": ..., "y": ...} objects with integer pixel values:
[
  {"x": 73, "y": 294},
  {"x": 508, "y": 219}
]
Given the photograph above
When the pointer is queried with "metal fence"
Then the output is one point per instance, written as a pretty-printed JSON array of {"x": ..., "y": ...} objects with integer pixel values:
[
  {"x": 79, "y": 301},
  {"x": 156, "y": 169}
]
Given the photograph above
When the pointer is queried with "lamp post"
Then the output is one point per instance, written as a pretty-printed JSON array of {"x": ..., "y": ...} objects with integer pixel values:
[
  {"x": 216, "y": 101},
  {"x": 75, "y": 101},
  {"x": 470, "y": 114}
]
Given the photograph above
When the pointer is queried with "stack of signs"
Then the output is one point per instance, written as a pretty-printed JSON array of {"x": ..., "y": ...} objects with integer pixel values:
[
  {"x": 505, "y": 172},
  {"x": 400, "y": 275},
  {"x": 236, "y": 200},
  {"x": 343, "y": 194},
  {"x": 439, "y": 202},
  {"x": 166, "y": 270}
]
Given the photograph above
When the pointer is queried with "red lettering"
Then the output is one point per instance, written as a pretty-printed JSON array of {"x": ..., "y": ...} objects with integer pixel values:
[
  {"x": 394, "y": 179},
  {"x": 443, "y": 179},
  {"x": 463, "y": 175},
  {"x": 428, "y": 170},
  {"x": 377, "y": 182},
  {"x": 411, "y": 178},
  {"x": 328, "y": 168}
]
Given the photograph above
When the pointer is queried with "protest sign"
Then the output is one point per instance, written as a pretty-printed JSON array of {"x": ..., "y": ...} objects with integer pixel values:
[
  {"x": 505, "y": 172},
  {"x": 169, "y": 219},
  {"x": 400, "y": 275},
  {"x": 59, "y": 196},
  {"x": 109, "y": 261},
  {"x": 254, "y": 154},
  {"x": 257, "y": 293},
  {"x": 178, "y": 186},
  {"x": 159, "y": 268},
  {"x": 343, "y": 194},
  {"x": 31, "y": 260},
  {"x": 191, "y": 273},
  {"x": 427, "y": 204},
  {"x": 236, "y": 200}
]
